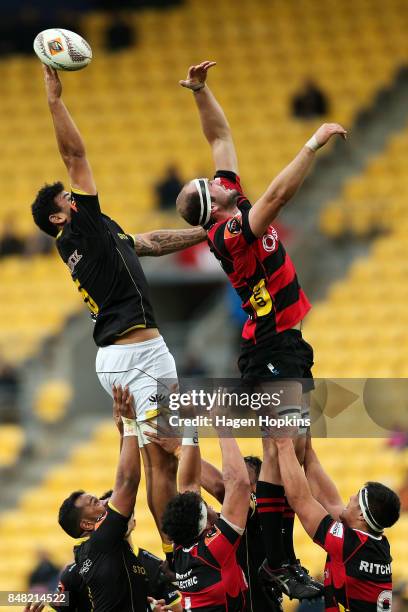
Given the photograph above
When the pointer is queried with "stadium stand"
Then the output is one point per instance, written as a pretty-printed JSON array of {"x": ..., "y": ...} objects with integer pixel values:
[
  {"x": 11, "y": 443},
  {"x": 374, "y": 201},
  {"x": 52, "y": 400}
]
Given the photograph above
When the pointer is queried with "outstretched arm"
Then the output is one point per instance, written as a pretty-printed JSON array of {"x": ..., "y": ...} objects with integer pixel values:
[
  {"x": 285, "y": 185},
  {"x": 189, "y": 469},
  {"x": 128, "y": 472},
  {"x": 163, "y": 242},
  {"x": 69, "y": 140},
  {"x": 297, "y": 489},
  {"x": 236, "y": 482},
  {"x": 322, "y": 487},
  {"x": 211, "y": 480},
  {"x": 213, "y": 120}
]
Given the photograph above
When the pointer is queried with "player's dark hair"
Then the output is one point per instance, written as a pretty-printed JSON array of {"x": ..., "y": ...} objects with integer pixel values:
[
  {"x": 255, "y": 463},
  {"x": 44, "y": 205},
  {"x": 69, "y": 515},
  {"x": 181, "y": 518},
  {"x": 106, "y": 495},
  {"x": 190, "y": 209},
  {"x": 384, "y": 504}
]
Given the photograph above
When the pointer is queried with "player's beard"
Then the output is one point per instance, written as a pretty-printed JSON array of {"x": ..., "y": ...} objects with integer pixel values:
[{"x": 233, "y": 197}]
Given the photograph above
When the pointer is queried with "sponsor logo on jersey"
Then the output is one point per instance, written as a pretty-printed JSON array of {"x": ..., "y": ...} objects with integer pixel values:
[
  {"x": 213, "y": 533},
  {"x": 261, "y": 299},
  {"x": 86, "y": 566},
  {"x": 55, "y": 46},
  {"x": 272, "y": 368},
  {"x": 380, "y": 569},
  {"x": 73, "y": 259},
  {"x": 337, "y": 529},
  {"x": 384, "y": 601},
  {"x": 185, "y": 581},
  {"x": 233, "y": 226},
  {"x": 157, "y": 398},
  {"x": 270, "y": 241}
]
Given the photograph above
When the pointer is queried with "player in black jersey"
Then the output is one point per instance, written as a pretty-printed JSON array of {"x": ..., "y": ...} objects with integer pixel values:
[
  {"x": 103, "y": 262},
  {"x": 358, "y": 574},
  {"x": 105, "y": 562},
  {"x": 159, "y": 584}
]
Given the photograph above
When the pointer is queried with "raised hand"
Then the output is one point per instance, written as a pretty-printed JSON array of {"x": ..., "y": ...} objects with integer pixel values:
[
  {"x": 53, "y": 85},
  {"x": 163, "y": 438},
  {"x": 327, "y": 130},
  {"x": 197, "y": 75},
  {"x": 123, "y": 403}
]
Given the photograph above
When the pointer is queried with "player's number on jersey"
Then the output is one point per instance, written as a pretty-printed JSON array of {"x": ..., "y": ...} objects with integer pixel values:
[
  {"x": 261, "y": 300},
  {"x": 92, "y": 305}
]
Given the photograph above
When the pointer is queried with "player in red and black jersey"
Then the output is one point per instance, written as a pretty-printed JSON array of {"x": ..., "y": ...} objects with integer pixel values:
[
  {"x": 357, "y": 575},
  {"x": 205, "y": 545},
  {"x": 248, "y": 247},
  {"x": 103, "y": 262}
]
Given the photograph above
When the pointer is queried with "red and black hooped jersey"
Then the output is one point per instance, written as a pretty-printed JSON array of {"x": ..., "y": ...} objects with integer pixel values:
[
  {"x": 357, "y": 574},
  {"x": 260, "y": 271},
  {"x": 208, "y": 574}
]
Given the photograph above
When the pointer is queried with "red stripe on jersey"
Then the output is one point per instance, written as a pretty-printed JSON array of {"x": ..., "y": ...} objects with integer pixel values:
[
  {"x": 270, "y": 500},
  {"x": 365, "y": 590},
  {"x": 260, "y": 270},
  {"x": 296, "y": 312},
  {"x": 270, "y": 509}
]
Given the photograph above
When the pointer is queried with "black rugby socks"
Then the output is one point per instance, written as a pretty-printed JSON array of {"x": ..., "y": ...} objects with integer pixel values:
[
  {"x": 287, "y": 533},
  {"x": 270, "y": 500}
]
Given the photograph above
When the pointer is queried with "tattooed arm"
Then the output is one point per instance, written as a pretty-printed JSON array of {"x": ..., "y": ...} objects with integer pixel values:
[{"x": 163, "y": 242}]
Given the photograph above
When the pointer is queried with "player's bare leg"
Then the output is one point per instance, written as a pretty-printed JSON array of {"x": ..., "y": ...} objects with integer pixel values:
[{"x": 161, "y": 473}]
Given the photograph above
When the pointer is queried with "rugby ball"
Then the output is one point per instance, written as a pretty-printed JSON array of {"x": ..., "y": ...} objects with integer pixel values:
[{"x": 62, "y": 49}]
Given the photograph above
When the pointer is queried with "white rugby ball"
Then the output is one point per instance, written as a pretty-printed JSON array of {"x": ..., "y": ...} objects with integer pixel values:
[{"x": 62, "y": 49}]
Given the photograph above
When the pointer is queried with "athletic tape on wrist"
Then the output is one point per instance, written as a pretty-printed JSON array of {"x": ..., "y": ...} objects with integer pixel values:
[
  {"x": 312, "y": 144},
  {"x": 192, "y": 439},
  {"x": 288, "y": 411},
  {"x": 129, "y": 427}
]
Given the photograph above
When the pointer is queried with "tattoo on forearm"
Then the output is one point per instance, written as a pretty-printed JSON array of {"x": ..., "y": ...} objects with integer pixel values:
[{"x": 164, "y": 242}]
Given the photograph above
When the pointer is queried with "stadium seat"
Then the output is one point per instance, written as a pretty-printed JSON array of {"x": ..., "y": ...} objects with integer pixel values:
[{"x": 12, "y": 440}]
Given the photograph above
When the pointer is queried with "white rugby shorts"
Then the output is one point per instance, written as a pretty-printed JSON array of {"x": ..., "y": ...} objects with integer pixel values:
[{"x": 143, "y": 367}]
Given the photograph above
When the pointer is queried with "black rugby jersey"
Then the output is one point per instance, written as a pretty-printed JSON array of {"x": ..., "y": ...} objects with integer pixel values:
[
  {"x": 117, "y": 579},
  {"x": 79, "y": 596},
  {"x": 357, "y": 575},
  {"x": 103, "y": 264}
]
